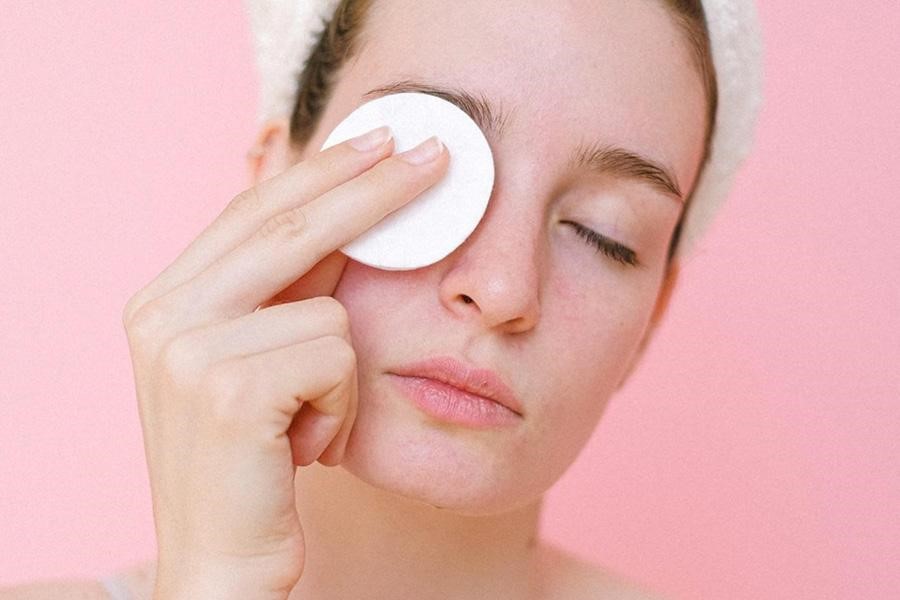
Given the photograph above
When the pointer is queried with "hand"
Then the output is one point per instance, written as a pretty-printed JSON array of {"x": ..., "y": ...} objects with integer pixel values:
[{"x": 231, "y": 400}]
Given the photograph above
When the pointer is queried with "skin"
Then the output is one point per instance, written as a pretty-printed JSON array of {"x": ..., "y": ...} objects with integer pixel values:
[
  {"x": 545, "y": 304},
  {"x": 416, "y": 505},
  {"x": 559, "y": 322}
]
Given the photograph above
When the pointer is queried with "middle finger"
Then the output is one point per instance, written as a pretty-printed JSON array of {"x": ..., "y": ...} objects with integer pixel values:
[
  {"x": 295, "y": 186},
  {"x": 291, "y": 243}
]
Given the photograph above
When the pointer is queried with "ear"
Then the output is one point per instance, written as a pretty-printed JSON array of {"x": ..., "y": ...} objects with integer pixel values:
[
  {"x": 271, "y": 153},
  {"x": 663, "y": 300}
]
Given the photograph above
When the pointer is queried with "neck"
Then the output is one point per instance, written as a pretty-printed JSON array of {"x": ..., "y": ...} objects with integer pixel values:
[{"x": 365, "y": 542}]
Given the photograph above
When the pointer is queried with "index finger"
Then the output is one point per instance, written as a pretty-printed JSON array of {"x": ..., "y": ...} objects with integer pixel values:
[
  {"x": 246, "y": 212},
  {"x": 290, "y": 243}
]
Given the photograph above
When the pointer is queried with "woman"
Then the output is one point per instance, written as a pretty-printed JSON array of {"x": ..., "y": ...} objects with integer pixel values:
[{"x": 600, "y": 116}]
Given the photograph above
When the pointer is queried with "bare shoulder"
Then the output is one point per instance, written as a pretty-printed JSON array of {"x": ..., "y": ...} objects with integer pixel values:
[
  {"x": 570, "y": 577},
  {"x": 137, "y": 578}
]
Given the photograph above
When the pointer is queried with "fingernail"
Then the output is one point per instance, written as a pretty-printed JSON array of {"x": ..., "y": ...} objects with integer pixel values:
[
  {"x": 372, "y": 140},
  {"x": 425, "y": 152}
]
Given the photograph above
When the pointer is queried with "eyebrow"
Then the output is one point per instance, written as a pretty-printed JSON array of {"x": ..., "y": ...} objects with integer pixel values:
[{"x": 599, "y": 158}]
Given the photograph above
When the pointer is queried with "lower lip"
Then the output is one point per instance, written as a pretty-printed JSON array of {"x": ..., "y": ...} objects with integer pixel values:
[{"x": 447, "y": 403}]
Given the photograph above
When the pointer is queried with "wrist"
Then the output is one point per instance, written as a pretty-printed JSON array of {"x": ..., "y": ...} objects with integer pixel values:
[
  {"x": 221, "y": 589},
  {"x": 214, "y": 582}
]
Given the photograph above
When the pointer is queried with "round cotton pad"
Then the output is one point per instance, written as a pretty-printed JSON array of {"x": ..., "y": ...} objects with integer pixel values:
[{"x": 436, "y": 222}]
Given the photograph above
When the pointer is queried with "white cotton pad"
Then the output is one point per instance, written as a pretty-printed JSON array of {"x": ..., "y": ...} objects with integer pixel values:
[{"x": 436, "y": 222}]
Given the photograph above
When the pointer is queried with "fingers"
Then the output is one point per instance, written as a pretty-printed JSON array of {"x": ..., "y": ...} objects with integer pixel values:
[
  {"x": 287, "y": 367},
  {"x": 289, "y": 244},
  {"x": 269, "y": 328},
  {"x": 260, "y": 394},
  {"x": 314, "y": 435},
  {"x": 247, "y": 212},
  {"x": 321, "y": 280},
  {"x": 336, "y": 450},
  {"x": 282, "y": 325}
]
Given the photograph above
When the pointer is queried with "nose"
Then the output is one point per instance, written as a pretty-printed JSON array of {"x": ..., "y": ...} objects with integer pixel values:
[{"x": 494, "y": 276}]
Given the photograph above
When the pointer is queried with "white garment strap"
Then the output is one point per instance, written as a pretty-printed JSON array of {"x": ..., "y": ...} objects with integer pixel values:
[{"x": 116, "y": 588}]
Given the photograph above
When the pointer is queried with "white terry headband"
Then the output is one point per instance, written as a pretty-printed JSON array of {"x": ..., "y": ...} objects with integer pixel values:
[{"x": 285, "y": 32}]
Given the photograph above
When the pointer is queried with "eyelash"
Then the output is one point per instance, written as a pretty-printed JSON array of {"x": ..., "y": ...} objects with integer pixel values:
[{"x": 610, "y": 248}]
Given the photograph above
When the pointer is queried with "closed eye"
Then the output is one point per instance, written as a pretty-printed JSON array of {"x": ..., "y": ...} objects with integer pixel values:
[{"x": 609, "y": 247}]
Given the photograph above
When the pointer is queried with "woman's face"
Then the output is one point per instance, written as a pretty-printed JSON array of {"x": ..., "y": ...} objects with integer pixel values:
[{"x": 556, "y": 319}]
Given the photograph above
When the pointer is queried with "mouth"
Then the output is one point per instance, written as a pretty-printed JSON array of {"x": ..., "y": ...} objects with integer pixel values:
[
  {"x": 453, "y": 390},
  {"x": 450, "y": 404}
]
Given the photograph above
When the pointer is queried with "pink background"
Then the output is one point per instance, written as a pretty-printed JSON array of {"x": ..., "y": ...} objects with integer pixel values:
[{"x": 754, "y": 453}]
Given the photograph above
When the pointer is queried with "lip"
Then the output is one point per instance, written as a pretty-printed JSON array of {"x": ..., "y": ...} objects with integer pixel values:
[{"x": 467, "y": 378}]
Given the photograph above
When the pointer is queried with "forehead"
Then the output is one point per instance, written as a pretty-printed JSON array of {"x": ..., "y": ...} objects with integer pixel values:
[{"x": 568, "y": 71}]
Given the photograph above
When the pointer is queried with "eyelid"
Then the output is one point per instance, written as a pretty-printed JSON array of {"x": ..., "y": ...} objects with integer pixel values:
[
  {"x": 610, "y": 232},
  {"x": 612, "y": 248}
]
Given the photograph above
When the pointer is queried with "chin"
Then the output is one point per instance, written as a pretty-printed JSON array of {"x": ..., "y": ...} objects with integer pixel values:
[{"x": 396, "y": 448}]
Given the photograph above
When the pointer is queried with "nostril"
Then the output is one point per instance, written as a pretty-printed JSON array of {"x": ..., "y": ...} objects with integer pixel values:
[{"x": 467, "y": 300}]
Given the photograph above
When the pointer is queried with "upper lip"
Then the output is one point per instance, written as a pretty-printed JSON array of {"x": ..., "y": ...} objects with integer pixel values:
[{"x": 472, "y": 379}]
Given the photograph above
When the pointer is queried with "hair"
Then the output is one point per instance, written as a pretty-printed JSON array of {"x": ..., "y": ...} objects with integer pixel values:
[{"x": 340, "y": 39}]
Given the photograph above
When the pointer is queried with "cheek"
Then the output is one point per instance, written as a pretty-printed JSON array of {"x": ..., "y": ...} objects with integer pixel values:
[
  {"x": 595, "y": 329},
  {"x": 591, "y": 334},
  {"x": 362, "y": 293},
  {"x": 596, "y": 310}
]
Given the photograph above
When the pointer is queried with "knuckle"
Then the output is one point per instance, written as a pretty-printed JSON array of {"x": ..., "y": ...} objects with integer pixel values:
[
  {"x": 145, "y": 321},
  {"x": 129, "y": 310},
  {"x": 181, "y": 359},
  {"x": 343, "y": 353},
  {"x": 287, "y": 225},
  {"x": 225, "y": 388},
  {"x": 248, "y": 201},
  {"x": 136, "y": 306},
  {"x": 336, "y": 313}
]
